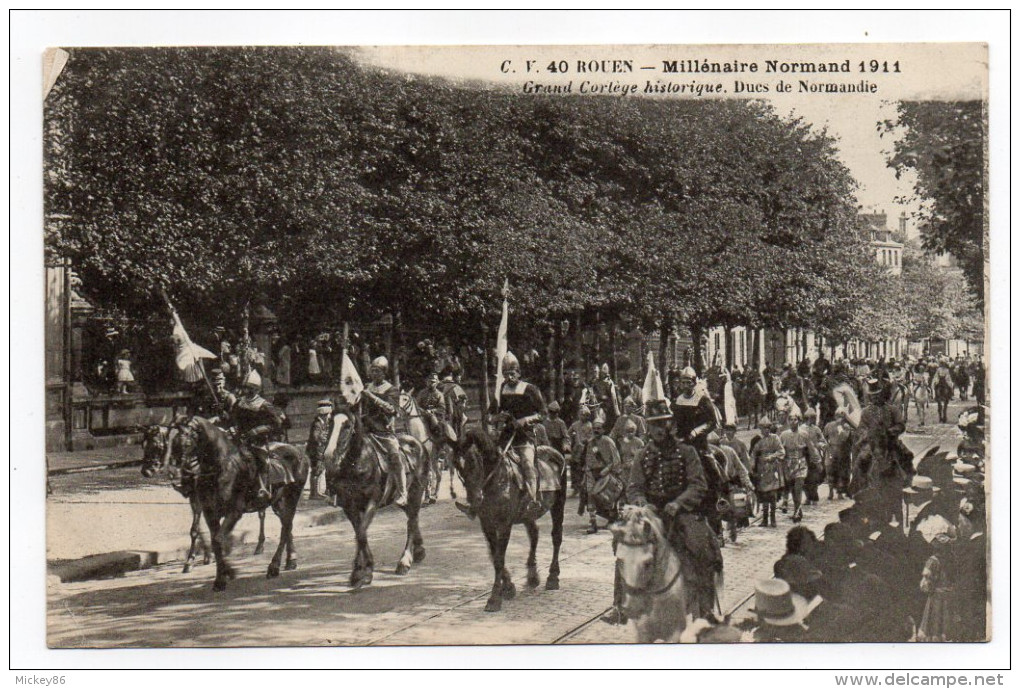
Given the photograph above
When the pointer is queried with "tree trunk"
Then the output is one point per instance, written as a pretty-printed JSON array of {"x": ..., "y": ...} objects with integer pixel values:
[
  {"x": 664, "y": 331},
  {"x": 697, "y": 332},
  {"x": 551, "y": 363},
  {"x": 612, "y": 348},
  {"x": 582, "y": 353},
  {"x": 397, "y": 330}
]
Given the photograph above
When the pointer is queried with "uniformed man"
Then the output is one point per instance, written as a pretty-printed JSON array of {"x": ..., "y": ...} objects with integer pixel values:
[
  {"x": 579, "y": 433},
  {"x": 257, "y": 423},
  {"x": 523, "y": 407},
  {"x": 555, "y": 429},
  {"x": 670, "y": 477},
  {"x": 601, "y": 458},
  {"x": 383, "y": 400},
  {"x": 318, "y": 438}
]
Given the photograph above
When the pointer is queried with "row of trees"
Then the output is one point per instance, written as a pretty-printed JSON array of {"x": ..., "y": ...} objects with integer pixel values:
[{"x": 299, "y": 179}]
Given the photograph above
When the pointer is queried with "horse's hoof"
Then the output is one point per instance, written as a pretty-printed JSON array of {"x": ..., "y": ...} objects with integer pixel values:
[
  {"x": 509, "y": 591},
  {"x": 187, "y": 568},
  {"x": 552, "y": 584},
  {"x": 291, "y": 565},
  {"x": 259, "y": 550},
  {"x": 273, "y": 571},
  {"x": 494, "y": 605},
  {"x": 418, "y": 554},
  {"x": 533, "y": 580},
  {"x": 219, "y": 585}
]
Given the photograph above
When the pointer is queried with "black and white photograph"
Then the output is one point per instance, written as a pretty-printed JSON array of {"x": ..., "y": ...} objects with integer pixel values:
[{"x": 496, "y": 345}]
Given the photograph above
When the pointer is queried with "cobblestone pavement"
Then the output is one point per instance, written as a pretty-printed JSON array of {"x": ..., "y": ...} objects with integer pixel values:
[{"x": 440, "y": 601}]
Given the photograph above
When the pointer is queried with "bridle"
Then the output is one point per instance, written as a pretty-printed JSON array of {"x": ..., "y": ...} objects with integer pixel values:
[{"x": 643, "y": 591}]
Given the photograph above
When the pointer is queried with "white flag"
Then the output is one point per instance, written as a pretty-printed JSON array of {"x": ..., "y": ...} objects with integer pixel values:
[
  {"x": 652, "y": 390},
  {"x": 188, "y": 353},
  {"x": 350, "y": 382},
  {"x": 501, "y": 343},
  {"x": 729, "y": 401}
]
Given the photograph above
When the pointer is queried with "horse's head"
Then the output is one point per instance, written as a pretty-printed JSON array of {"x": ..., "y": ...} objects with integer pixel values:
[
  {"x": 474, "y": 456},
  {"x": 405, "y": 402},
  {"x": 157, "y": 442},
  {"x": 639, "y": 541}
]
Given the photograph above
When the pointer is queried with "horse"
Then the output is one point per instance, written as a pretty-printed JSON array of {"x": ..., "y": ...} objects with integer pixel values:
[
  {"x": 354, "y": 473},
  {"x": 654, "y": 591},
  {"x": 498, "y": 498},
  {"x": 785, "y": 406},
  {"x": 226, "y": 487},
  {"x": 754, "y": 398},
  {"x": 435, "y": 448},
  {"x": 943, "y": 395},
  {"x": 920, "y": 394},
  {"x": 899, "y": 396}
]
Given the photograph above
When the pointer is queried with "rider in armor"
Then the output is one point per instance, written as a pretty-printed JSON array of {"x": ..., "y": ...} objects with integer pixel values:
[
  {"x": 693, "y": 412},
  {"x": 383, "y": 401},
  {"x": 524, "y": 406},
  {"x": 257, "y": 422},
  {"x": 433, "y": 408}
]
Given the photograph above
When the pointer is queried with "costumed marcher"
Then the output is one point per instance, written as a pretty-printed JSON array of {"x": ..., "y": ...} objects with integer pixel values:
[
  {"x": 318, "y": 438},
  {"x": 767, "y": 458},
  {"x": 579, "y": 433},
  {"x": 800, "y": 452},
  {"x": 737, "y": 484},
  {"x": 731, "y": 440},
  {"x": 379, "y": 419},
  {"x": 631, "y": 415},
  {"x": 602, "y": 469},
  {"x": 523, "y": 407},
  {"x": 456, "y": 398},
  {"x": 838, "y": 434},
  {"x": 556, "y": 430},
  {"x": 631, "y": 446},
  {"x": 816, "y": 470},
  {"x": 257, "y": 423},
  {"x": 607, "y": 396},
  {"x": 670, "y": 477}
]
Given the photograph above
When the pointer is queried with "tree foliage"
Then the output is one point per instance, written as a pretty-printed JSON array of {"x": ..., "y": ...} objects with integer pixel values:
[
  {"x": 944, "y": 143},
  {"x": 297, "y": 178}
]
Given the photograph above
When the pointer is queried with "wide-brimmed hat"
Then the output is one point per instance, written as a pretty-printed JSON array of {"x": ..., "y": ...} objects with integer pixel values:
[
  {"x": 777, "y": 605},
  {"x": 920, "y": 485},
  {"x": 657, "y": 410}
]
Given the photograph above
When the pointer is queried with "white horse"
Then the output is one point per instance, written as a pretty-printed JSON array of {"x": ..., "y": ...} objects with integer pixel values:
[
  {"x": 654, "y": 597},
  {"x": 435, "y": 448},
  {"x": 785, "y": 407}
]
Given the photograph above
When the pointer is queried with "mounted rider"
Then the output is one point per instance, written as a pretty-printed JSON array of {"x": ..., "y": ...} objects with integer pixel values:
[
  {"x": 607, "y": 396},
  {"x": 432, "y": 404},
  {"x": 379, "y": 419},
  {"x": 456, "y": 398},
  {"x": 881, "y": 459},
  {"x": 318, "y": 438},
  {"x": 257, "y": 423},
  {"x": 524, "y": 407},
  {"x": 670, "y": 477}
]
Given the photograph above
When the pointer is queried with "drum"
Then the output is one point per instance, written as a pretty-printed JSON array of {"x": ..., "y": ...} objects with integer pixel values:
[{"x": 607, "y": 492}]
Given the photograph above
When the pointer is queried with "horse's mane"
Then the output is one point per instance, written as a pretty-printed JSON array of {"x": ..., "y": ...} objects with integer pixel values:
[
  {"x": 478, "y": 437},
  {"x": 633, "y": 523}
]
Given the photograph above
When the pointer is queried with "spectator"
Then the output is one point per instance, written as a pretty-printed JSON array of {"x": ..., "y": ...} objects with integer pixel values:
[{"x": 124, "y": 375}]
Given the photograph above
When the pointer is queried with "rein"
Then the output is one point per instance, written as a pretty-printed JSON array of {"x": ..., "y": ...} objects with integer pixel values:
[{"x": 654, "y": 592}]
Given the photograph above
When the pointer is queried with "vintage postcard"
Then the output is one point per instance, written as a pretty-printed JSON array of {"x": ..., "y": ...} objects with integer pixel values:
[{"x": 440, "y": 345}]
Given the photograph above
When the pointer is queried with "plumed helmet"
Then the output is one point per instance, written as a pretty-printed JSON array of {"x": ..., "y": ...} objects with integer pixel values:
[
  {"x": 510, "y": 362},
  {"x": 381, "y": 363},
  {"x": 688, "y": 374},
  {"x": 253, "y": 380}
]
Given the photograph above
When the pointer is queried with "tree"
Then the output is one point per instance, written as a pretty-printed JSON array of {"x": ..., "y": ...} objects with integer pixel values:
[{"x": 945, "y": 144}]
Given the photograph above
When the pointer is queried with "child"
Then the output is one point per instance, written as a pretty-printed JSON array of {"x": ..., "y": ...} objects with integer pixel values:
[{"x": 124, "y": 375}]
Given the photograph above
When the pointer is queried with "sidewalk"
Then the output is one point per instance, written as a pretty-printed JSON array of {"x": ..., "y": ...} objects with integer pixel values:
[{"x": 60, "y": 463}]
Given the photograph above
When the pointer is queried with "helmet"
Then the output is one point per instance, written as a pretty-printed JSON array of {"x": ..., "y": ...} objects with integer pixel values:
[
  {"x": 604, "y": 370},
  {"x": 553, "y": 407},
  {"x": 688, "y": 373},
  {"x": 810, "y": 414},
  {"x": 253, "y": 380},
  {"x": 380, "y": 363},
  {"x": 510, "y": 362},
  {"x": 766, "y": 423}
]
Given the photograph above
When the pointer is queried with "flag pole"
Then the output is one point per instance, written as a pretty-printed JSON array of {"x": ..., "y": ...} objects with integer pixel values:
[{"x": 201, "y": 367}]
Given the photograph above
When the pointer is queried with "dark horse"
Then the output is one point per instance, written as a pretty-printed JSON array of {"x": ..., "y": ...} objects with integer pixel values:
[
  {"x": 498, "y": 501},
  {"x": 226, "y": 487},
  {"x": 354, "y": 475},
  {"x": 943, "y": 395},
  {"x": 156, "y": 445}
]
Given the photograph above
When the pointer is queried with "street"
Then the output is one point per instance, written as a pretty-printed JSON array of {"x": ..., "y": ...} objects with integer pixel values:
[{"x": 439, "y": 602}]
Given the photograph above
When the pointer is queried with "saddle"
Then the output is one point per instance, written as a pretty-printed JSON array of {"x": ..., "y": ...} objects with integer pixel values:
[
  {"x": 279, "y": 472},
  {"x": 406, "y": 457},
  {"x": 549, "y": 468}
]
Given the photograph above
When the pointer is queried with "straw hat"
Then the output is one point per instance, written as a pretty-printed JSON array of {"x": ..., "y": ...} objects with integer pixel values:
[{"x": 776, "y": 605}]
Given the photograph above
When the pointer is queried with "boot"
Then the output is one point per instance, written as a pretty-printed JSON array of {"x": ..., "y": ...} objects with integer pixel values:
[
  {"x": 532, "y": 507},
  {"x": 313, "y": 489},
  {"x": 400, "y": 484},
  {"x": 593, "y": 526},
  {"x": 263, "y": 473}
]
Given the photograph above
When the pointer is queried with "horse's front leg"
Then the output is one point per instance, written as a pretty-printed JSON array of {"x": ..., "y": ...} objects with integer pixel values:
[
  {"x": 556, "y": 513},
  {"x": 498, "y": 537},
  {"x": 260, "y": 546},
  {"x": 412, "y": 545},
  {"x": 196, "y": 534},
  {"x": 533, "y": 578},
  {"x": 286, "y": 514},
  {"x": 364, "y": 564}
]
